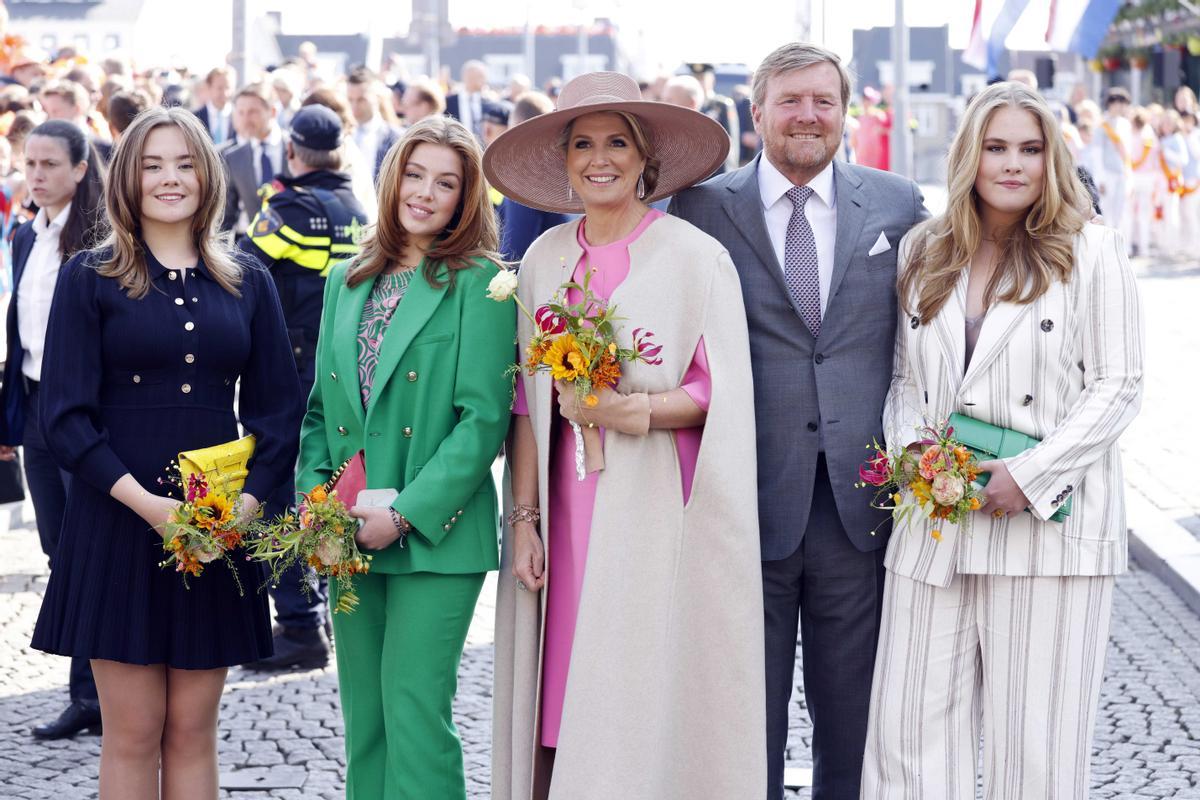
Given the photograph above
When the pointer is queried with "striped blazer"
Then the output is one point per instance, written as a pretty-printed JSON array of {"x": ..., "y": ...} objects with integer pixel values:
[{"x": 1066, "y": 369}]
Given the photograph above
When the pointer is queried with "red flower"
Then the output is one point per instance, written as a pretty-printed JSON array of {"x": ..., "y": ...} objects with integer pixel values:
[
  {"x": 548, "y": 321},
  {"x": 646, "y": 349},
  {"x": 876, "y": 471}
]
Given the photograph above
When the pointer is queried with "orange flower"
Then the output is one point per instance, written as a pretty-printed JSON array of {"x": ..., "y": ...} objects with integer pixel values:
[
  {"x": 607, "y": 372},
  {"x": 318, "y": 495},
  {"x": 962, "y": 455},
  {"x": 932, "y": 462},
  {"x": 975, "y": 503},
  {"x": 936, "y": 535},
  {"x": 535, "y": 353},
  {"x": 591, "y": 401}
]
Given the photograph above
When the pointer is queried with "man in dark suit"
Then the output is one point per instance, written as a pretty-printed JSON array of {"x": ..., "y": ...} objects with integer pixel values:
[
  {"x": 252, "y": 164},
  {"x": 374, "y": 133},
  {"x": 217, "y": 113},
  {"x": 815, "y": 244},
  {"x": 67, "y": 100},
  {"x": 466, "y": 105}
]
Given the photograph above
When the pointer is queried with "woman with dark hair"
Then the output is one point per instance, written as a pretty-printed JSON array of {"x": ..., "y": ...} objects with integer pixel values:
[
  {"x": 148, "y": 338},
  {"x": 66, "y": 181},
  {"x": 411, "y": 370}
]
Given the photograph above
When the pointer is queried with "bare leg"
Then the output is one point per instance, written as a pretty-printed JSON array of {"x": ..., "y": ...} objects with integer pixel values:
[
  {"x": 133, "y": 704},
  {"x": 189, "y": 742}
]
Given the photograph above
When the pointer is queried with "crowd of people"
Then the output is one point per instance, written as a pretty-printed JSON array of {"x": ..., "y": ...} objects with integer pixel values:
[{"x": 312, "y": 258}]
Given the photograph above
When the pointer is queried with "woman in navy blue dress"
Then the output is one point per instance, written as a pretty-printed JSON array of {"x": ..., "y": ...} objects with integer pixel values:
[{"x": 148, "y": 337}]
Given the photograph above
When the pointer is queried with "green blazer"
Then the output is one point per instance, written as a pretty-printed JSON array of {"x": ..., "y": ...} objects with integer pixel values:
[{"x": 439, "y": 410}]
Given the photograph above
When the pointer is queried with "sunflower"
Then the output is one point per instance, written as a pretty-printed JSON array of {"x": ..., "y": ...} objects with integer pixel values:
[
  {"x": 213, "y": 512},
  {"x": 566, "y": 361}
]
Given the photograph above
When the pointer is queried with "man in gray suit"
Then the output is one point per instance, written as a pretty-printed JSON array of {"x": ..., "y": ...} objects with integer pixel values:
[
  {"x": 815, "y": 244},
  {"x": 255, "y": 160}
]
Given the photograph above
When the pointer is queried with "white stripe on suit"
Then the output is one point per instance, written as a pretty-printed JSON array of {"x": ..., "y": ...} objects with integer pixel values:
[
  {"x": 1019, "y": 660},
  {"x": 1001, "y": 627}
]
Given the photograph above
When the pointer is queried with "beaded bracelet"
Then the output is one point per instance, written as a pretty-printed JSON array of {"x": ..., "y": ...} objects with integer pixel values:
[
  {"x": 524, "y": 513},
  {"x": 403, "y": 526}
]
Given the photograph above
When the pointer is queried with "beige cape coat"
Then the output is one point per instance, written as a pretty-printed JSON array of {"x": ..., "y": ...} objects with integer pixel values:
[{"x": 665, "y": 696}]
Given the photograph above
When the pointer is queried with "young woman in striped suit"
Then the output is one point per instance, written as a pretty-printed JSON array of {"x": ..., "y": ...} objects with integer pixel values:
[{"x": 1017, "y": 312}]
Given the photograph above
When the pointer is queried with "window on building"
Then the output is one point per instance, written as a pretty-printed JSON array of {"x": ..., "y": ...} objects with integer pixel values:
[
  {"x": 82, "y": 42},
  {"x": 112, "y": 41}
]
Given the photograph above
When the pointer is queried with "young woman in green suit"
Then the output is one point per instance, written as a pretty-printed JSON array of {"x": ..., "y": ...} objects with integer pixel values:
[{"x": 411, "y": 369}]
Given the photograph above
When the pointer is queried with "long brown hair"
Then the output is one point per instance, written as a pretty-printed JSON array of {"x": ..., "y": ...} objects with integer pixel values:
[
  {"x": 472, "y": 231},
  {"x": 1033, "y": 254},
  {"x": 123, "y": 198}
]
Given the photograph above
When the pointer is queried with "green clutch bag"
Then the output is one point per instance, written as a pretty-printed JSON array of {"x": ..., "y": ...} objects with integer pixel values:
[{"x": 989, "y": 442}]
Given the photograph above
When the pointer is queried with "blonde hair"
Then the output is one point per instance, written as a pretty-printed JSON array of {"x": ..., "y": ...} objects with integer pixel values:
[
  {"x": 123, "y": 200},
  {"x": 1034, "y": 252},
  {"x": 793, "y": 56},
  {"x": 472, "y": 231}
]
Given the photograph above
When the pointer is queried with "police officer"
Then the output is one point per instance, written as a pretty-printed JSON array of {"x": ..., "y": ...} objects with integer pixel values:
[{"x": 309, "y": 223}]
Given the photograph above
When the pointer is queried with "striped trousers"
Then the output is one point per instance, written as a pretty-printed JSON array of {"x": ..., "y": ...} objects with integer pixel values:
[{"x": 1017, "y": 661}]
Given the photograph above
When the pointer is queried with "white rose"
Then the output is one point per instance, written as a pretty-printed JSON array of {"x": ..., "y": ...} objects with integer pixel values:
[
  {"x": 329, "y": 551},
  {"x": 502, "y": 286},
  {"x": 948, "y": 488}
]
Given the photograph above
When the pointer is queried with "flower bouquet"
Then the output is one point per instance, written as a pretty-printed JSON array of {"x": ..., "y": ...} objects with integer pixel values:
[
  {"x": 939, "y": 481},
  {"x": 206, "y": 526},
  {"x": 321, "y": 535},
  {"x": 577, "y": 343}
]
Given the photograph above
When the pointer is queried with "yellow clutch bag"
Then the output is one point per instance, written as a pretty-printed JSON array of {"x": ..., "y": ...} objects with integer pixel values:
[{"x": 225, "y": 465}]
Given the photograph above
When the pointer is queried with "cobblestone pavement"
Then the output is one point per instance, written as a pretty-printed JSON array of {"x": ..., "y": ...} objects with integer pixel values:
[{"x": 286, "y": 730}]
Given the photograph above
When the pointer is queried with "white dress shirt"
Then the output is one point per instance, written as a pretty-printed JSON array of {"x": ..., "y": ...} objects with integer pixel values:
[
  {"x": 274, "y": 146},
  {"x": 36, "y": 290},
  {"x": 820, "y": 211},
  {"x": 368, "y": 136},
  {"x": 218, "y": 121}
]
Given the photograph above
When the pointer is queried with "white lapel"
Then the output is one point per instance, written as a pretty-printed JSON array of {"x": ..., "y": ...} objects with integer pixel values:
[{"x": 949, "y": 329}]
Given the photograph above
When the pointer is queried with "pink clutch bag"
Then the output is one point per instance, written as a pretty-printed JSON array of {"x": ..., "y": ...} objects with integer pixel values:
[{"x": 349, "y": 479}]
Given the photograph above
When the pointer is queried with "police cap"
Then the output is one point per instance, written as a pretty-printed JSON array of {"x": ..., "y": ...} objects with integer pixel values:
[{"x": 317, "y": 128}]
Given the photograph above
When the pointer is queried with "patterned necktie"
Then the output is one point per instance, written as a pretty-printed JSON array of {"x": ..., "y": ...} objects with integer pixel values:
[{"x": 800, "y": 272}]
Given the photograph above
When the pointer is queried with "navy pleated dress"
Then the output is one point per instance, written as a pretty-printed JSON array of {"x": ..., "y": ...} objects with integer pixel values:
[{"x": 126, "y": 386}]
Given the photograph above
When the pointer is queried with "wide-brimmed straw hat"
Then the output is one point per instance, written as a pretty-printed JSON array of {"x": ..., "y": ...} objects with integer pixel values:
[{"x": 527, "y": 164}]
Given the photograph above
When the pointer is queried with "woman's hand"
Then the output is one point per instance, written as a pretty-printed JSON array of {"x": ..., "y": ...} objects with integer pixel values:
[
  {"x": 529, "y": 556},
  {"x": 377, "y": 530},
  {"x": 249, "y": 510},
  {"x": 1001, "y": 496},
  {"x": 627, "y": 413},
  {"x": 156, "y": 510}
]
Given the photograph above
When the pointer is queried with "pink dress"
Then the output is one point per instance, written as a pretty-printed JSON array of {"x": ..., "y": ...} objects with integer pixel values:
[{"x": 571, "y": 500}]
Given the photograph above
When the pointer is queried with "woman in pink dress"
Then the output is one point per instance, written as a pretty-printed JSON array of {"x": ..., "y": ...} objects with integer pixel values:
[{"x": 625, "y": 639}]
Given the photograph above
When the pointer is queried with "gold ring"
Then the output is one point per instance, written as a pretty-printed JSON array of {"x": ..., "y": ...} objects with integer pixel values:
[{"x": 591, "y": 424}]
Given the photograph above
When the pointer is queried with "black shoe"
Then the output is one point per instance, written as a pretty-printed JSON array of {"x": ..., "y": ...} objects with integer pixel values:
[
  {"x": 78, "y": 716},
  {"x": 296, "y": 648}
]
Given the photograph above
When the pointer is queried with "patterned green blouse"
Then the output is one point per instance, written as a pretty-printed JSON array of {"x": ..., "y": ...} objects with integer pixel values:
[{"x": 381, "y": 304}]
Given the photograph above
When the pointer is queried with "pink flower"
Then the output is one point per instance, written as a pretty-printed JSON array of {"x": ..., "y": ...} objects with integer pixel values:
[
  {"x": 948, "y": 489},
  {"x": 197, "y": 488},
  {"x": 548, "y": 321},
  {"x": 932, "y": 463},
  {"x": 876, "y": 471},
  {"x": 646, "y": 349}
]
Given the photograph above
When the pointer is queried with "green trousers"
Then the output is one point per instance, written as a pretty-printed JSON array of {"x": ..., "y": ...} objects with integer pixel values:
[{"x": 397, "y": 658}]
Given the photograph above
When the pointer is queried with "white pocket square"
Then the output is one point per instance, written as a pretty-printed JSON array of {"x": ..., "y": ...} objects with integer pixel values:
[{"x": 882, "y": 245}]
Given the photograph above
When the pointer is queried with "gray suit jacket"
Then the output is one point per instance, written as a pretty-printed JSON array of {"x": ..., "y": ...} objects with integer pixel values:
[
  {"x": 242, "y": 191},
  {"x": 835, "y": 384}
]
